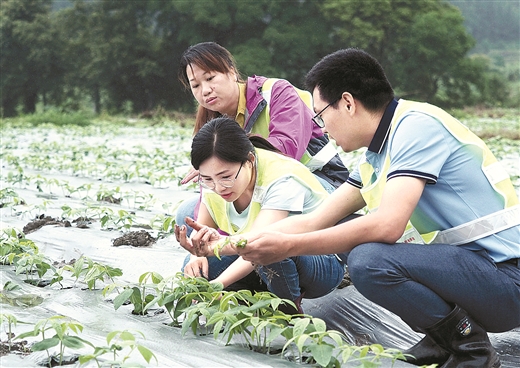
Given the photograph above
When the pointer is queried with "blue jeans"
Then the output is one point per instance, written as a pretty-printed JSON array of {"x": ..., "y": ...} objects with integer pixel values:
[
  {"x": 315, "y": 276},
  {"x": 187, "y": 207},
  {"x": 422, "y": 283}
]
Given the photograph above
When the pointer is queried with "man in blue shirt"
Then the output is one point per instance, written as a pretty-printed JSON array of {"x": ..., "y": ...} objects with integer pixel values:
[{"x": 439, "y": 246}]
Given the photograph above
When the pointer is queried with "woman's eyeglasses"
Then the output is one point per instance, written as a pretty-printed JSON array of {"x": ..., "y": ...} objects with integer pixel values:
[{"x": 226, "y": 183}]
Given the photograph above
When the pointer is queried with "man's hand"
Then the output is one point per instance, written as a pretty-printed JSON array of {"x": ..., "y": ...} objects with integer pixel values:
[
  {"x": 265, "y": 248},
  {"x": 202, "y": 241},
  {"x": 192, "y": 175}
]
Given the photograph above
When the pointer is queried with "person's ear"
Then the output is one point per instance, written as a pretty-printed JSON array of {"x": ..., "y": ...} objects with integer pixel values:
[
  {"x": 348, "y": 101},
  {"x": 252, "y": 159}
]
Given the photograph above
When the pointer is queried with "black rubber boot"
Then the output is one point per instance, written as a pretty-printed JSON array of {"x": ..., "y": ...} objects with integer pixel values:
[
  {"x": 465, "y": 340},
  {"x": 426, "y": 352}
]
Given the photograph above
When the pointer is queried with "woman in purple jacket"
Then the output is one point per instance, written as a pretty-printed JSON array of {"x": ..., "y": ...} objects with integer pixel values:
[{"x": 271, "y": 108}]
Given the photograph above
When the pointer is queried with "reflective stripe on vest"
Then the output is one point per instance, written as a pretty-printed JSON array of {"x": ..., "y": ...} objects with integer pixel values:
[
  {"x": 270, "y": 168},
  {"x": 261, "y": 127},
  {"x": 373, "y": 186}
]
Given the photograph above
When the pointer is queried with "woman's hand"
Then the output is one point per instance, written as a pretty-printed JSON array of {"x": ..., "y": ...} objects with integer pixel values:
[
  {"x": 197, "y": 267},
  {"x": 202, "y": 241},
  {"x": 192, "y": 175}
]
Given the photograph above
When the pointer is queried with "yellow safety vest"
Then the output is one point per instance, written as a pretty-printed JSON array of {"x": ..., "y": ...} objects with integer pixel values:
[
  {"x": 270, "y": 167},
  {"x": 372, "y": 190},
  {"x": 261, "y": 127}
]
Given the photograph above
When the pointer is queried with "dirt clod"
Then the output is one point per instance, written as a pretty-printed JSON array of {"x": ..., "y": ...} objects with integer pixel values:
[
  {"x": 43, "y": 220},
  {"x": 135, "y": 238}
]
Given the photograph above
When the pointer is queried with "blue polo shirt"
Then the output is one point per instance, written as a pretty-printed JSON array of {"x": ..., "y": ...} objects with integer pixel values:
[{"x": 456, "y": 191}]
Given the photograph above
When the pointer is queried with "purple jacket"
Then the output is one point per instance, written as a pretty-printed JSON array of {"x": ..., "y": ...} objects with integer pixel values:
[{"x": 290, "y": 124}]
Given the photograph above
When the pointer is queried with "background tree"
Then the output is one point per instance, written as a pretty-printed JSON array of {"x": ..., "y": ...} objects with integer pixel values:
[
  {"x": 501, "y": 20},
  {"x": 29, "y": 57},
  {"x": 422, "y": 44},
  {"x": 122, "y": 56}
]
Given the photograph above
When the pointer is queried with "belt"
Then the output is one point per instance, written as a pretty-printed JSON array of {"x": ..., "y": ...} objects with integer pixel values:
[{"x": 514, "y": 261}]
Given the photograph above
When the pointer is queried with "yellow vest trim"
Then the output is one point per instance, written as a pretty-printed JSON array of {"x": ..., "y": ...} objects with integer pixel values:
[
  {"x": 315, "y": 162},
  {"x": 271, "y": 167},
  {"x": 372, "y": 190}
]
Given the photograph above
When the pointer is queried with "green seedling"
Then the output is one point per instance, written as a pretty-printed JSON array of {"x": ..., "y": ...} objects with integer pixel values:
[
  {"x": 92, "y": 271},
  {"x": 100, "y": 272},
  {"x": 122, "y": 220},
  {"x": 178, "y": 292},
  {"x": 77, "y": 268},
  {"x": 143, "y": 296},
  {"x": 118, "y": 341},
  {"x": 29, "y": 263},
  {"x": 61, "y": 338},
  {"x": 241, "y": 243},
  {"x": 9, "y": 198},
  {"x": 164, "y": 224},
  {"x": 11, "y": 322},
  {"x": 13, "y": 243}
]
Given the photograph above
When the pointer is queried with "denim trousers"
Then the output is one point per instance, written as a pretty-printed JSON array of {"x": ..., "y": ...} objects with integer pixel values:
[
  {"x": 187, "y": 209},
  {"x": 422, "y": 283},
  {"x": 313, "y": 276}
]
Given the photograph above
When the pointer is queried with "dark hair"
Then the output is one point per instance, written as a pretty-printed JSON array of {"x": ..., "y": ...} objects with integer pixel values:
[
  {"x": 354, "y": 71},
  {"x": 225, "y": 139},
  {"x": 210, "y": 57}
]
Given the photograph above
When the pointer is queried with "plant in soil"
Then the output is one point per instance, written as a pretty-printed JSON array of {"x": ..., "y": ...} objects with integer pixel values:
[
  {"x": 96, "y": 271},
  {"x": 62, "y": 327},
  {"x": 143, "y": 296},
  {"x": 12, "y": 243},
  {"x": 164, "y": 224},
  {"x": 118, "y": 341},
  {"x": 91, "y": 272},
  {"x": 23, "y": 254},
  {"x": 11, "y": 322}
]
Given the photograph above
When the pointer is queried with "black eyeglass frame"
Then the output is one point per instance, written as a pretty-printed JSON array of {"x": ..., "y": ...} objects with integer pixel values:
[
  {"x": 204, "y": 185},
  {"x": 317, "y": 119}
]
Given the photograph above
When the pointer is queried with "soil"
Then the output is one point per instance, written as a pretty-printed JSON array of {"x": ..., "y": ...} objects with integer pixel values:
[
  {"x": 43, "y": 220},
  {"x": 135, "y": 238},
  {"x": 17, "y": 347}
]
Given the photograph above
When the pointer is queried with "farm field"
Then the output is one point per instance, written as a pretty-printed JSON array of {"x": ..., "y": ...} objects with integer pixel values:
[{"x": 109, "y": 192}]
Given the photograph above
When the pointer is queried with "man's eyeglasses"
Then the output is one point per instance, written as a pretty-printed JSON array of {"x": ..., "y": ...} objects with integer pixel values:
[
  {"x": 318, "y": 120},
  {"x": 226, "y": 183}
]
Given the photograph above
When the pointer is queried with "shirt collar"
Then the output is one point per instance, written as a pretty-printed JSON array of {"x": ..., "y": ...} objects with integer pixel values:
[
  {"x": 241, "y": 110},
  {"x": 382, "y": 131}
]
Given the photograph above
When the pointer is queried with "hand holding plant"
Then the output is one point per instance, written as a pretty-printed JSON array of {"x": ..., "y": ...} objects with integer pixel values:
[{"x": 202, "y": 241}]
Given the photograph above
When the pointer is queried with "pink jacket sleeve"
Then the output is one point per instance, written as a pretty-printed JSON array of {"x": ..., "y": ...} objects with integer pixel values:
[{"x": 291, "y": 126}]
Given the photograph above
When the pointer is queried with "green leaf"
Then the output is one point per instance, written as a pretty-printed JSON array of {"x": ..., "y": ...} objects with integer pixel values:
[
  {"x": 319, "y": 324},
  {"x": 127, "y": 336},
  {"x": 45, "y": 344},
  {"x": 300, "y": 342},
  {"x": 300, "y": 326},
  {"x": 322, "y": 353},
  {"x": 35, "y": 332},
  {"x": 146, "y": 353},
  {"x": 73, "y": 342},
  {"x": 122, "y": 298}
]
